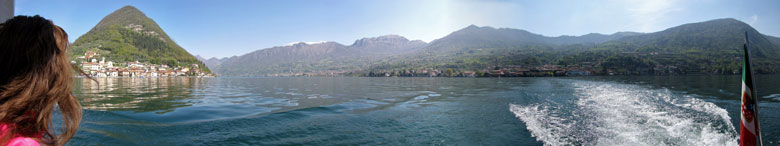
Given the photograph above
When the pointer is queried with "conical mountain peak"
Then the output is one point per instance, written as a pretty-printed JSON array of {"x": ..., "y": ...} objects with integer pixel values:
[
  {"x": 127, "y": 34},
  {"x": 125, "y": 16}
]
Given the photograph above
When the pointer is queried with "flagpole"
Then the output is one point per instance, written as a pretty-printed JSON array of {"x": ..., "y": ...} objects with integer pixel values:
[{"x": 753, "y": 88}]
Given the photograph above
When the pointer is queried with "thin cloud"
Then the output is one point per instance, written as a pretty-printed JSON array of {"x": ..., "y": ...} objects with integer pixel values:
[
  {"x": 647, "y": 14},
  {"x": 432, "y": 19},
  {"x": 753, "y": 19}
]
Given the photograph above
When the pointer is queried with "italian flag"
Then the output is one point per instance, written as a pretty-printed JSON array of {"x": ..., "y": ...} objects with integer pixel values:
[{"x": 749, "y": 129}]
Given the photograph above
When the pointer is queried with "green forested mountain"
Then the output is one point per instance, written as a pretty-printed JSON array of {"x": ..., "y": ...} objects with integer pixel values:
[
  {"x": 712, "y": 47},
  {"x": 489, "y": 37},
  {"x": 128, "y": 35},
  {"x": 715, "y": 36},
  {"x": 776, "y": 40}
]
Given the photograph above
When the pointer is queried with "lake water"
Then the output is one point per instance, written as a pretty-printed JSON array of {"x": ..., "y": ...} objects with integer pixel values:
[{"x": 645, "y": 110}]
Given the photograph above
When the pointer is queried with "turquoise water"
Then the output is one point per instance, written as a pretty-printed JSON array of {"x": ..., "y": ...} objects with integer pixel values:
[{"x": 688, "y": 110}]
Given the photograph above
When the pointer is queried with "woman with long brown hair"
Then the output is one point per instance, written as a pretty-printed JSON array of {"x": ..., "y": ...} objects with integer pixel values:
[{"x": 35, "y": 78}]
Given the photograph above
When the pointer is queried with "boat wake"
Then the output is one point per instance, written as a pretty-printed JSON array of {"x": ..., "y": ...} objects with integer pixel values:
[
  {"x": 775, "y": 97},
  {"x": 620, "y": 114}
]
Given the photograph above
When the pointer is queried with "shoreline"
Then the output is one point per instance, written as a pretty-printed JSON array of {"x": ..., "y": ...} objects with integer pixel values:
[
  {"x": 479, "y": 77},
  {"x": 142, "y": 77}
]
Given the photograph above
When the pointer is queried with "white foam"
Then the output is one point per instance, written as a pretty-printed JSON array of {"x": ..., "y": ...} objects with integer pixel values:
[
  {"x": 544, "y": 126},
  {"x": 621, "y": 114},
  {"x": 775, "y": 97}
]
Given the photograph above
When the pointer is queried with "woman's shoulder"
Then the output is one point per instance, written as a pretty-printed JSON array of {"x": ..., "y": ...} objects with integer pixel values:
[
  {"x": 18, "y": 141},
  {"x": 23, "y": 141}
]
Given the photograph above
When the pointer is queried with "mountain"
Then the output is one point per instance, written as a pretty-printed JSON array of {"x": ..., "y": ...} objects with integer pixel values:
[
  {"x": 479, "y": 37},
  {"x": 293, "y": 57},
  {"x": 482, "y": 47},
  {"x": 776, "y": 40},
  {"x": 712, "y": 47},
  {"x": 317, "y": 57},
  {"x": 212, "y": 62},
  {"x": 128, "y": 35},
  {"x": 714, "y": 36},
  {"x": 593, "y": 38},
  {"x": 385, "y": 45},
  {"x": 364, "y": 53},
  {"x": 705, "y": 47}
]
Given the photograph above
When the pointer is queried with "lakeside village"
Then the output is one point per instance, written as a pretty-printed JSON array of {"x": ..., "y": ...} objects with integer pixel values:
[
  {"x": 581, "y": 69},
  {"x": 548, "y": 70},
  {"x": 498, "y": 71},
  {"x": 586, "y": 69},
  {"x": 102, "y": 68}
]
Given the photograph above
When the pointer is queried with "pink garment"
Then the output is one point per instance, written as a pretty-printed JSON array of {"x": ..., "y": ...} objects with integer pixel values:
[{"x": 18, "y": 140}]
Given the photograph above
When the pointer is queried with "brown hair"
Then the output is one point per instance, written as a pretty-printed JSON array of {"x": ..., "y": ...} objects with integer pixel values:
[{"x": 34, "y": 76}]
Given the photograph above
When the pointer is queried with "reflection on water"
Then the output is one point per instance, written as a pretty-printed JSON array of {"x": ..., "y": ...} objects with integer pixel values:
[{"x": 136, "y": 94}]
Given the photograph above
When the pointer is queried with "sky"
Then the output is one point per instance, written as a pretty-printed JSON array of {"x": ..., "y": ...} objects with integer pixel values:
[{"x": 224, "y": 28}]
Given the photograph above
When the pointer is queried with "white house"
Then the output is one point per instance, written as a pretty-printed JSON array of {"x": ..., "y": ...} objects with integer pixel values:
[{"x": 113, "y": 74}]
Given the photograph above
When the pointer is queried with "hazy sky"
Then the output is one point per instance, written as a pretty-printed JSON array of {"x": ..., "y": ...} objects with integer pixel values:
[{"x": 222, "y": 28}]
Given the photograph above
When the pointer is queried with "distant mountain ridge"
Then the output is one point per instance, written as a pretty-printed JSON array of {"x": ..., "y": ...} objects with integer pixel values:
[
  {"x": 316, "y": 57},
  {"x": 212, "y": 62},
  {"x": 711, "y": 46},
  {"x": 127, "y": 34},
  {"x": 475, "y": 36},
  {"x": 387, "y": 44},
  {"x": 302, "y": 57}
]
